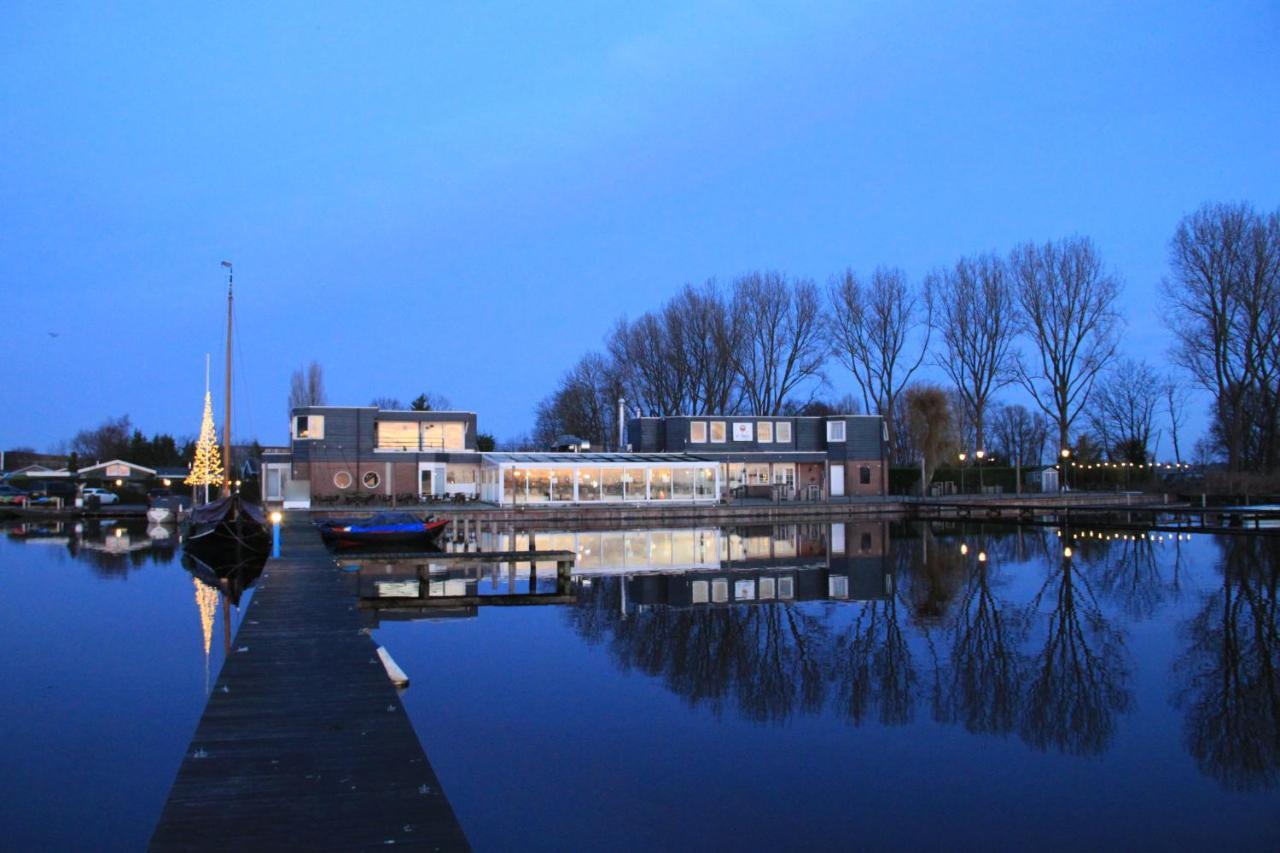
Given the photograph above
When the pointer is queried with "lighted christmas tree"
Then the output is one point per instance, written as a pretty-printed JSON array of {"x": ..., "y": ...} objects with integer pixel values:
[{"x": 206, "y": 468}]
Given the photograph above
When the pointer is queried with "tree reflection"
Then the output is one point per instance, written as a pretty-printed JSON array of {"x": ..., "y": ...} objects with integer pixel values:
[
  {"x": 982, "y": 690},
  {"x": 1230, "y": 690},
  {"x": 872, "y": 666},
  {"x": 942, "y": 632},
  {"x": 768, "y": 660},
  {"x": 1128, "y": 572},
  {"x": 1077, "y": 680}
]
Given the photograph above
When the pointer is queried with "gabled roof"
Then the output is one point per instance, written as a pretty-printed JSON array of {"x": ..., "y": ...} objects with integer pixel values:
[{"x": 132, "y": 465}]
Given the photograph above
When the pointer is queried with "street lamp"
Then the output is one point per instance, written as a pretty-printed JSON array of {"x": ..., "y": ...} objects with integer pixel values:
[
  {"x": 981, "y": 454},
  {"x": 963, "y": 456},
  {"x": 1066, "y": 454}
]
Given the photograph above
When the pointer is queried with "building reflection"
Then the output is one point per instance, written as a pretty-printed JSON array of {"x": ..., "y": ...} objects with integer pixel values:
[{"x": 883, "y": 630}]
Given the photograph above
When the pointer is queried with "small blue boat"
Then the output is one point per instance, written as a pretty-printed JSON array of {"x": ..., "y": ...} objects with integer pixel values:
[{"x": 384, "y": 528}]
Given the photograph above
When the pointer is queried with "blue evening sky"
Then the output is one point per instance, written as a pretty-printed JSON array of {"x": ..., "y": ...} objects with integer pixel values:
[{"x": 462, "y": 198}]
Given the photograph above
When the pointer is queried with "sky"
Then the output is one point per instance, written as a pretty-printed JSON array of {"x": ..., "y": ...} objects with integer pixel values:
[{"x": 462, "y": 198}]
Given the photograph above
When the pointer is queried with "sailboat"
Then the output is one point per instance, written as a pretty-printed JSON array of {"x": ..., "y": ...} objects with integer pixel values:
[{"x": 230, "y": 528}]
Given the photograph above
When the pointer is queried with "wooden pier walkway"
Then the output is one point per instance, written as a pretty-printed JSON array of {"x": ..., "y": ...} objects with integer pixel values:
[{"x": 304, "y": 742}]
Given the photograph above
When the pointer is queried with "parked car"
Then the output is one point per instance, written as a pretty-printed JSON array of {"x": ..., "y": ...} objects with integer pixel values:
[
  {"x": 12, "y": 496},
  {"x": 103, "y": 496}
]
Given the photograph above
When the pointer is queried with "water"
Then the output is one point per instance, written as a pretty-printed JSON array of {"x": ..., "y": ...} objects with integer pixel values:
[
  {"x": 869, "y": 685},
  {"x": 975, "y": 689},
  {"x": 107, "y": 650}
]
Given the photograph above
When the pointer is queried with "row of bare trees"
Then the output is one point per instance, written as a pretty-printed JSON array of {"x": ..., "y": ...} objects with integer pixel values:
[{"x": 1043, "y": 318}]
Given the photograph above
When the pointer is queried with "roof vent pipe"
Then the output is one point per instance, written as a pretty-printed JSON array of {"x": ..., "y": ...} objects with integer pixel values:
[{"x": 622, "y": 422}]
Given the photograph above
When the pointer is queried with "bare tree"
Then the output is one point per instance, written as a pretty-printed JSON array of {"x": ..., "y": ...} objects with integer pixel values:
[
  {"x": 386, "y": 403},
  {"x": 306, "y": 387},
  {"x": 712, "y": 341},
  {"x": 1020, "y": 434},
  {"x": 582, "y": 405},
  {"x": 1175, "y": 407},
  {"x": 1066, "y": 301},
  {"x": 109, "y": 440},
  {"x": 868, "y": 331},
  {"x": 1123, "y": 412},
  {"x": 784, "y": 346},
  {"x": 975, "y": 317},
  {"x": 1223, "y": 293},
  {"x": 654, "y": 366}
]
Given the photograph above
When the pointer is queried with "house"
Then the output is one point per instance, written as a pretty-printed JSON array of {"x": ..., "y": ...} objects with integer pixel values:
[
  {"x": 337, "y": 452},
  {"x": 357, "y": 454},
  {"x": 802, "y": 456}
]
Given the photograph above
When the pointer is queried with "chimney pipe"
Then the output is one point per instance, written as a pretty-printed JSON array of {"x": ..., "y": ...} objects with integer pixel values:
[{"x": 622, "y": 422}]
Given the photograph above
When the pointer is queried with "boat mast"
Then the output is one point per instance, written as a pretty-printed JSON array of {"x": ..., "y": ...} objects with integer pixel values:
[{"x": 226, "y": 424}]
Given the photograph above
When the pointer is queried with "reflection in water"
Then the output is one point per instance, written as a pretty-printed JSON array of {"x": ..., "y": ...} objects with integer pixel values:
[
  {"x": 1004, "y": 631},
  {"x": 1230, "y": 689},
  {"x": 982, "y": 684},
  {"x": 1077, "y": 678}
]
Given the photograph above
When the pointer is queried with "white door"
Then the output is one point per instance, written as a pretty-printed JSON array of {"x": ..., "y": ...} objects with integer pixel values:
[{"x": 837, "y": 481}]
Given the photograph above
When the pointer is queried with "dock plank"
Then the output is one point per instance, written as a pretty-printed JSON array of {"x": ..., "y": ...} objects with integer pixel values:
[{"x": 304, "y": 742}]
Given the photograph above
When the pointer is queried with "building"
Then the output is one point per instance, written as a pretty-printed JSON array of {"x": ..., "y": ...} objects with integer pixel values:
[
  {"x": 359, "y": 455},
  {"x": 789, "y": 457},
  {"x": 341, "y": 452}
]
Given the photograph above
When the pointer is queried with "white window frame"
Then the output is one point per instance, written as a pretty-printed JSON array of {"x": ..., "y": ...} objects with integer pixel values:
[
  {"x": 782, "y": 432},
  {"x": 315, "y": 428},
  {"x": 724, "y": 432},
  {"x": 693, "y": 437},
  {"x": 834, "y": 427},
  {"x": 764, "y": 432},
  {"x": 746, "y": 429}
]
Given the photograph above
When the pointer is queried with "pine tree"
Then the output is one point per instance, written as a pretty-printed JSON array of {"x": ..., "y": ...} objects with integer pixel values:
[{"x": 206, "y": 468}]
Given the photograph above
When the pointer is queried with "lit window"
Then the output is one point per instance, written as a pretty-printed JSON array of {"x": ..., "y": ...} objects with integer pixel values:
[
  {"x": 744, "y": 590},
  {"x": 717, "y": 432},
  {"x": 698, "y": 432},
  {"x": 720, "y": 591},
  {"x": 742, "y": 431},
  {"x": 764, "y": 432},
  {"x": 784, "y": 432},
  {"x": 308, "y": 426},
  {"x": 342, "y": 480},
  {"x": 395, "y": 435},
  {"x": 835, "y": 431},
  {"x": 700, "y": 595},
  {"x": 371, "y": 479}
]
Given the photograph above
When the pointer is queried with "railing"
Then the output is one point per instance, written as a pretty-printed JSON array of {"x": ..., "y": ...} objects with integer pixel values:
[{"x": 409, "y": 445}]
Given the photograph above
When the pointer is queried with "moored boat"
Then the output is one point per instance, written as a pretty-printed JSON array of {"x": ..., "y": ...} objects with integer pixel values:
[
  {"x": 230, "y": 525},
  {"x": 382, "y": 529}
]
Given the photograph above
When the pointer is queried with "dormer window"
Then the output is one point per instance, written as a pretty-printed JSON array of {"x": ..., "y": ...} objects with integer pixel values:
[
  {"x": 764, "y": 432},
  {"x": 697, "y": 432},
  {"x": 835, "y": 431}
]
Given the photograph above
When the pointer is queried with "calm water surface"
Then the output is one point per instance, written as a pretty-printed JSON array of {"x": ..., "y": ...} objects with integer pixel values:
[
  {"x": 868, "y": 685},
  {"x": 107, "y": 648},
  {"x": 954, "y": 688}
]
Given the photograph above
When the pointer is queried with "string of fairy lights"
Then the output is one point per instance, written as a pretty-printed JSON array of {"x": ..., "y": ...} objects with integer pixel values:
[{"x": 1076, "y": 537}]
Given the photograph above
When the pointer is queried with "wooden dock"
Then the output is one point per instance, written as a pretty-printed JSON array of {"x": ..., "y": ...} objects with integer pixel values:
[{"x": 304, "y": 742}]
